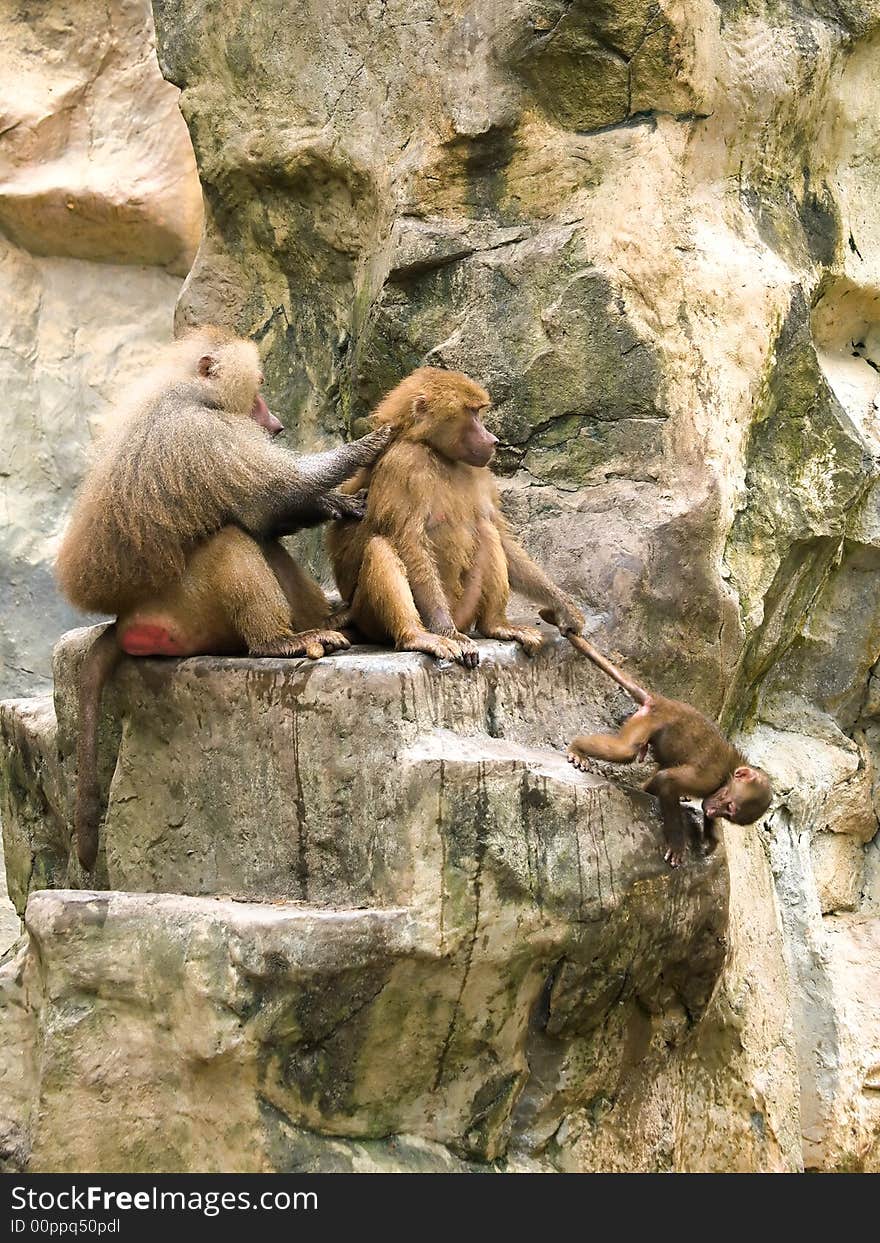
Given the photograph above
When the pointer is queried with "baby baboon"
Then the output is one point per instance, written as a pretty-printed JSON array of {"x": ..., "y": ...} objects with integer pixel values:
[
  {"x": 434, "y": 556},
  {"x": 175, "y": 530},
  {"x": 696, "y": 760}
]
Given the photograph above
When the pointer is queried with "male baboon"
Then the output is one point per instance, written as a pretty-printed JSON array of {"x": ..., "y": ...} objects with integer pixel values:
[{"x": 175, "y": 530}]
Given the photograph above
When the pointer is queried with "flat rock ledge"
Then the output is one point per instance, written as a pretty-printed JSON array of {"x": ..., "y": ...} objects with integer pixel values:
[{"x": 351, "y": 914}]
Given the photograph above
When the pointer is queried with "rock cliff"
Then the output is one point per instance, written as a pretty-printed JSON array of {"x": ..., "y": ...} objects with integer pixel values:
[
  {"x": 650, "y": 230},
  {"x": 100, "y": 217}
]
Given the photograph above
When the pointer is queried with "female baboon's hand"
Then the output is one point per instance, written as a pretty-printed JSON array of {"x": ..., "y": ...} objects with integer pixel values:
[{"x": 566, "y": 615}]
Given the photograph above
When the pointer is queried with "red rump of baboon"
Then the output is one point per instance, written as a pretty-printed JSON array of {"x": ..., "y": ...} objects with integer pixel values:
[
  {"x": 434, "y": 557},
  {"x": 176, "y": 528}
]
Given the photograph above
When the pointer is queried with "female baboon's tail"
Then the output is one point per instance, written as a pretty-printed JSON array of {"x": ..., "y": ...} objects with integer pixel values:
[
  {"x": 102, "y": 659},
  {"x": 638, "y": 693}
]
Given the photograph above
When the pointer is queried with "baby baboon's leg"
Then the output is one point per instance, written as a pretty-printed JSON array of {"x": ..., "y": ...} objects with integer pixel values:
[
  {"x": 309, "y": 609},
  {"x": 383, "y": 606},
  {"x": 622, "y": 747},
  {"x": 492, "y": 611},
  {"x": 670, "y": 785}
]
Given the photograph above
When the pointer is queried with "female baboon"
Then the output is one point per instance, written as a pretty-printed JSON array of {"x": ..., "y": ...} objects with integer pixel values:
[{"x": 434, "y": 556}]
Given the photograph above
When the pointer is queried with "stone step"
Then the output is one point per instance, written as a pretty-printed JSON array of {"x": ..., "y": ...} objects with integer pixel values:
[
  {"x": 166, "y": 1032},
  {"x": 363, "y": 899},
  {"x": 300, "y": 780}
]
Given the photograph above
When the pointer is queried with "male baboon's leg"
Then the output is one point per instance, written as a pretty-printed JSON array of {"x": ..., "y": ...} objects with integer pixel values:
[
  {"x": 309, "y": 608},
  {"x": 228, "y": 600}
]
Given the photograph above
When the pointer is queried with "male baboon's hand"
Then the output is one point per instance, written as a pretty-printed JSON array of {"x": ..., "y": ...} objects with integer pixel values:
[
  {"x": 375, "y": 443},
  {"x": 566, "y": 615},
  {"x": 340, "y": 505}
]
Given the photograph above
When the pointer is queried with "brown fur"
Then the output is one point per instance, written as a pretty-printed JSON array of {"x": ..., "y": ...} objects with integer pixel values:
[
  {"x": 695, "y": 760},
  {"x": 175, "y": 530},
  {"x": 434, "y": 557}
]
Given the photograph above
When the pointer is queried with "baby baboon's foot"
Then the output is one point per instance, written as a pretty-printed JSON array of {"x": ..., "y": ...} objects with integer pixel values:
[
  {"x": 311, "y": 643},
  {"x": 580, "y": 761},
  {"x": 674, "y": 855},
  {"x": 529, "y": 638},
  {"x": 441, "y": 647}
]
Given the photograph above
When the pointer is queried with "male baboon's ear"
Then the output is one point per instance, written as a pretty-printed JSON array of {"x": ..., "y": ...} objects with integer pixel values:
[{"x": 207, "y": 363}]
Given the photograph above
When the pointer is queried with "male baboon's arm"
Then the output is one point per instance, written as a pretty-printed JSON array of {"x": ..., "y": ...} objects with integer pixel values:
[
  {"x": 318, "y": 472},
  {"x": 296, "y": 492},
  {"x": 328, "y": 507}
]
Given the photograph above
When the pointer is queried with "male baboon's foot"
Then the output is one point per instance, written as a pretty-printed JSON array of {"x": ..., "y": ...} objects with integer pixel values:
[
  {"x": 317, "y": 643},
  {"x": 529, "y": 638},
  {"x": 311, "y": 643},
  {"x": 461, "y": 648},
  {"x": 579, "y": 760},
  {"x": 341, "y": 618}
]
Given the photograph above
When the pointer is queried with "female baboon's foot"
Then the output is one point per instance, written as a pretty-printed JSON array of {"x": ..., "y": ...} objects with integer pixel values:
[
  {"x": 529, "y": 638},
  {"x": 311, "y": 643},
  {"x": 460, "y": 648},
  {"x": 470, "y": 653}
]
